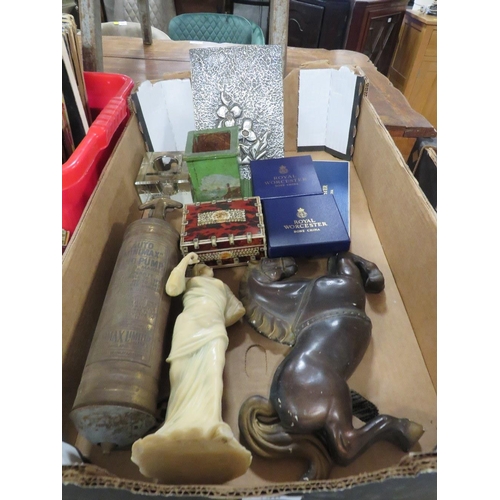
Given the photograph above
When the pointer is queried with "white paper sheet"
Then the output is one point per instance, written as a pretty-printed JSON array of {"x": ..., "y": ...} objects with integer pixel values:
[
  {"x": 314, "y": 91},
  {"x": 326, "y": 100},
  {"x": 342, "y": 89},
  {"x": 167, "y": 108}
]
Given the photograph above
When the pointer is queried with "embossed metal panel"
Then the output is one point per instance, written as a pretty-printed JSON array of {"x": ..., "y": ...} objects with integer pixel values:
[{"x": 242, "y": 86}]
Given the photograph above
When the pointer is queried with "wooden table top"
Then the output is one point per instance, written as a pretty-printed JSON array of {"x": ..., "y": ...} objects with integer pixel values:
[
  {"x": 423, "y": 18},
  {"x": 129, "y": 56}
]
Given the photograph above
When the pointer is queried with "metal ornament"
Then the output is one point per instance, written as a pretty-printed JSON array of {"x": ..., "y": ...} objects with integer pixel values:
[
  {"x": 206, "y": 218},
  {"x": 241, "y": 86},
  {"x": 308, "y": 413}
]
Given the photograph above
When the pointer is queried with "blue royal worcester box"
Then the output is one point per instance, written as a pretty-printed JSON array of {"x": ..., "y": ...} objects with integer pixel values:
[
  {"x": 304, "y": 226},
  {"x": 284, "y": 177},
  {"x": 334, "y": 179}
]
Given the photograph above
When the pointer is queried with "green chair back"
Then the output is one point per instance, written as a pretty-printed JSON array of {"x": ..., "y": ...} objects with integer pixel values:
[
  {"x": 211, "y": 27},
  {"x": 258, "y": 37}
]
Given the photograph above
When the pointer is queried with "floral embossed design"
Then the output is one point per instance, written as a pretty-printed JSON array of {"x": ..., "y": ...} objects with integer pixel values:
[
  {"x": 252, "y": 146},
  {"x": 228, "y": 112},
  {"x": 246, "y": 131},
  {"x": 256, "y": 150}
]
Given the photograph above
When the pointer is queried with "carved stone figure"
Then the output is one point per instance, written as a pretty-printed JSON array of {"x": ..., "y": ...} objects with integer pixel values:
[
  {"x": 194, "y": 445},
  {"x": 309, "y": 413}
]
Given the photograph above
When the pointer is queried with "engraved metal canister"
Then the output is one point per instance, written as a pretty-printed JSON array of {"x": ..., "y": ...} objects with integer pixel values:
[{"x": 116, "y": 402}]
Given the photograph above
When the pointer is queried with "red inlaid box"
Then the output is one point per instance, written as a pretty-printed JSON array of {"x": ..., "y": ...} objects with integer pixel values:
[{"x": 224, "y": 233}]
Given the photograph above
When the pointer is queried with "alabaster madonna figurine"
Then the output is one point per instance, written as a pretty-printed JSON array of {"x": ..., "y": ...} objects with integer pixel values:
[{"x": 194, "y": 445}]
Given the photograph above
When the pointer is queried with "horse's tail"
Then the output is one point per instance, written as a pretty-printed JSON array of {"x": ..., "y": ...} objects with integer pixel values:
[{"x": 261, "y": 428}]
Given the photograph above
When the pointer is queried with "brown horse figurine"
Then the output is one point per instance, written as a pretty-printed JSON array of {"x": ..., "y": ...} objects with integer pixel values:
[{"x": 309, "y": 410}]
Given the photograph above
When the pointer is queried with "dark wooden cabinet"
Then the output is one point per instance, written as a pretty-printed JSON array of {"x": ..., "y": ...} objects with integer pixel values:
[
  {"x": 374, "y": 29},
  {"x": 318, "y": 23},
  {"x": 190, "y": 6}
]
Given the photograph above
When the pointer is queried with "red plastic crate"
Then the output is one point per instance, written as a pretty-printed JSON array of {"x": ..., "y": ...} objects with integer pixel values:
[{"x": 107, "y": 95}]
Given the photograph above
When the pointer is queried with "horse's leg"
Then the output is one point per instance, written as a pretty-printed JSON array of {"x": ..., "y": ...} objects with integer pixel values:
[
  {"x": 366, "y": 272},
  {"x": 349, "y": 443}
]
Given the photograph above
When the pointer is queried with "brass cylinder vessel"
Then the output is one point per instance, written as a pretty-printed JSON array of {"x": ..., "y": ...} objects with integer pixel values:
[{"x": 116, "y": 402}]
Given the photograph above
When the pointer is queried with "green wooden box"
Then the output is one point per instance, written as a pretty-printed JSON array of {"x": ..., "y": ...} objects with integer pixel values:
[{"x": 212, "y": 159}]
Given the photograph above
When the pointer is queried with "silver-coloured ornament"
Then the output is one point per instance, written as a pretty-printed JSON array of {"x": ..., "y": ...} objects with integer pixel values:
[{"x": 241, "y": 86}]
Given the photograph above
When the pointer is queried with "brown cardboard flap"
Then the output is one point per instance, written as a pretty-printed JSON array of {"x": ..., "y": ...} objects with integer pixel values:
[
  {"x": 406, "y": 225},
  {"x": 291, "y": 109},
  {"x": 96, "y": 477}
]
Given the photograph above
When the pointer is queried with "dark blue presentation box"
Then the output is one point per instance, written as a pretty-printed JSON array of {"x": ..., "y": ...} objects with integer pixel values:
[
  {"x": 284, "y": 177},
  {"x": 304, "y": 226}
]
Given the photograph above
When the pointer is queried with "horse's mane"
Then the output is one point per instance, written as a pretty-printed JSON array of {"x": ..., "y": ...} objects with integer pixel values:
[{"x": 262, "y": 320}]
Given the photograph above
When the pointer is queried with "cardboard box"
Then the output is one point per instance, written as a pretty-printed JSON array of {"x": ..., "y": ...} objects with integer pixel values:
[{"x": 392, "y": 224}]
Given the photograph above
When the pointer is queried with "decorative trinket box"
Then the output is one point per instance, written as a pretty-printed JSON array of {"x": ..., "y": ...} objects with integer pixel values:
[
  {"x": 284, "y": 177},
  {"x": 304, "y": 226},
  {"x": 224, "y": 233},
  {"x": 212, "y": 159}
]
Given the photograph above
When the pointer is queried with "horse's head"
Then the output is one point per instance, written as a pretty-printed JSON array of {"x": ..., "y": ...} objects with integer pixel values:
[{"x": 276, "y": 269}]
